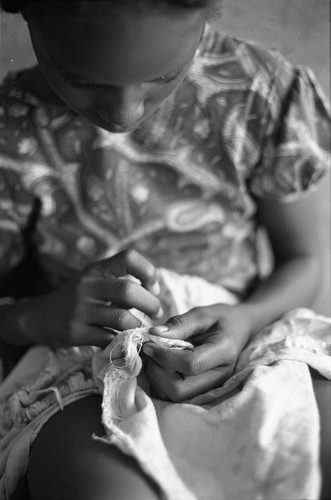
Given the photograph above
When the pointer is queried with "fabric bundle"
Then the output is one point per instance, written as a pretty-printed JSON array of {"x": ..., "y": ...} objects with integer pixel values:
[{"x": 256, "y": 437}]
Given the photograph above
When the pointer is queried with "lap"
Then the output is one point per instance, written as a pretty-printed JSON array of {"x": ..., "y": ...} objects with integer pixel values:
[{"x": 65, "y": 462}]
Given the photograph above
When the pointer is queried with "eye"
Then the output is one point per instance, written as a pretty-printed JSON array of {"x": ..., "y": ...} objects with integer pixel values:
[
  {"x": 77, "y": 83},
  {"x": 168, "y": 79}
]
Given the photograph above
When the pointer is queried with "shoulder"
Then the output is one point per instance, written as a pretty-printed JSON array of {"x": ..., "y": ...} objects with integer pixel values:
[
  {"x": 15, "y": 113},
  {"x": 231, "y": 72},
  {"x": 230, "y": 64},
  {"x": 15, "y": 101},
  {"x": 32, "y": 129}
]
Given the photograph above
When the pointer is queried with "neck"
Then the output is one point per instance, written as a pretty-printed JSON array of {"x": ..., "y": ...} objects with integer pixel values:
[{"x": 35, "y": 82}]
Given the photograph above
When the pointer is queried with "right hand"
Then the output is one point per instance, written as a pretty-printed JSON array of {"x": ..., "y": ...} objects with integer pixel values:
[{"x": 101, "y": 297}]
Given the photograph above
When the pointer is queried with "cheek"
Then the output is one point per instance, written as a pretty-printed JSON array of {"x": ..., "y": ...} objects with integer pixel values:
[
  {"x": 78, "y": 100},
  {"x": 61, "y": 89}
]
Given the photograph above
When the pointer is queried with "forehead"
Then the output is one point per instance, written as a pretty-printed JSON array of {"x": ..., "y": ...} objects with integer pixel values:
[{"x": 104, "y": 39}]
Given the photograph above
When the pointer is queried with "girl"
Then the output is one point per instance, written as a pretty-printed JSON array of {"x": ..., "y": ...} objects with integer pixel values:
[{"x": 141, "y": 140}]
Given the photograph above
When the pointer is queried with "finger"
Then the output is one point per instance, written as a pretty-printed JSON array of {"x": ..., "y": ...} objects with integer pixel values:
[
  {"x": 161, "y": 381},
  {"x": 178, "y": 388},
  {"x": 123, "y": 292},
  {"x": 111, "y": 317},
  {"x": 196, "y": 321},
  {"x": 190, "y": 362},
  {"x": 157, "y": 393},
  {"x": 129, "y": 262},
  {"x": 91, "y": 335},
  {"x": 193, "y": 386}
]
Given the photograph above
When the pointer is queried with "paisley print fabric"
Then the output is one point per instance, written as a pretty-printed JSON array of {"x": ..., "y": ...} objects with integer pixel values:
[{"x": 181, "y": 188}]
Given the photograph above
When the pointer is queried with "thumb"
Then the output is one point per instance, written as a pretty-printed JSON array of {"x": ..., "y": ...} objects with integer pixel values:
[{"x": 195, "y": 321}]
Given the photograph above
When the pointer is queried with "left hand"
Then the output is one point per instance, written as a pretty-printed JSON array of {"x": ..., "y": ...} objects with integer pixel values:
[{"x": 218, "y": 333}]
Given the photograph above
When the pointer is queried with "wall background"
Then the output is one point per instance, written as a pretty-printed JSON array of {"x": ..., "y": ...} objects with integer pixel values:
[{"x": 300, "y": 29}]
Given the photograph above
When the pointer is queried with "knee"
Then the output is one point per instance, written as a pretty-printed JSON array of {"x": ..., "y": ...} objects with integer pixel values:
[
  {"x": 65, "y": 462},
  {"x": 101, "y": 473}
]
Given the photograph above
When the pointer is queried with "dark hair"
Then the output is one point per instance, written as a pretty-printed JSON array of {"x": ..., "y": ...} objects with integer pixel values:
[{"x": 15, "y": 6}]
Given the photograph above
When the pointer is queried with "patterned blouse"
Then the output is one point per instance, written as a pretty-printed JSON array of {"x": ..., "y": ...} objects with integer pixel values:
[{"x": 182, "y": 188}]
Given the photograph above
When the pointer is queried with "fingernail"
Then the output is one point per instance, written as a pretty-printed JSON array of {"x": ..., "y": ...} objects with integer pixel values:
[
  {"x": 147, "y": 350},
  {"x": 159, "y": 313},
  {"x": 159, "y": 329},
  {"x": 156, "y": 289}
]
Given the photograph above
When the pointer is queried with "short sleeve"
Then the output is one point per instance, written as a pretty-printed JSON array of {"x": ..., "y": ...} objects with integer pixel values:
[
  {"x": 296, "y": 148},
  {"x": 16, "y": 207},
  {"x": 17, "y": 202}
]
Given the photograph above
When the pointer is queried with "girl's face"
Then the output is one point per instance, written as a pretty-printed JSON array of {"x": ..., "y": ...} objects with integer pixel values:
[{"x": 111, "y": 63}]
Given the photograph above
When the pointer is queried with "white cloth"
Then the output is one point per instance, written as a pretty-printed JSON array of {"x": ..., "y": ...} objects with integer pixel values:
[{"x": 257, "y": 437}]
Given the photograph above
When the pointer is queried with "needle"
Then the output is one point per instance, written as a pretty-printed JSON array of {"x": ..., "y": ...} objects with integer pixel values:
[{"x": 143, "y": 321}]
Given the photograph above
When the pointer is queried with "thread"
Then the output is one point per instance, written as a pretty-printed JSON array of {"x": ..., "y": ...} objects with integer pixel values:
[{"x": 139, "y": 343}]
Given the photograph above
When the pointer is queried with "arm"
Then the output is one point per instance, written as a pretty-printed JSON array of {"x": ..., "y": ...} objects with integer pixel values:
[
  {"x": 220, "y": 332},
  {"x": 293, "y": 233}
]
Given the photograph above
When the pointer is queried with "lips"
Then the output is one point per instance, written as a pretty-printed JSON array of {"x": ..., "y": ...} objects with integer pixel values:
[
  {"x": 114, "y": 127},
  {"x": 111, "y": 126},
  {"x": 119, "y": 127}
]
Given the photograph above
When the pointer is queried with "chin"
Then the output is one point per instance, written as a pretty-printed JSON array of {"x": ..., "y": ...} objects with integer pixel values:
[
  {"x": 118, "y": 129},
  {"x": 114, "y": 128}
]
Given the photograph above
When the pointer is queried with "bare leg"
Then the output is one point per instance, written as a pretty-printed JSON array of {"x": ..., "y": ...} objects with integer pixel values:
[
  {"x": 66, "y": 464},
  {"x": 322, "y": 389}
]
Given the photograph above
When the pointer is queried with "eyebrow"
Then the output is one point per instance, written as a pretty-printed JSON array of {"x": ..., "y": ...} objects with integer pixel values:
[{"x": 75, "y": 79}]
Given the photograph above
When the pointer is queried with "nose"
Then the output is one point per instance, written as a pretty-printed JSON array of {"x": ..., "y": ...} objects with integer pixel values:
[{"x": 121, "y": 106}]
